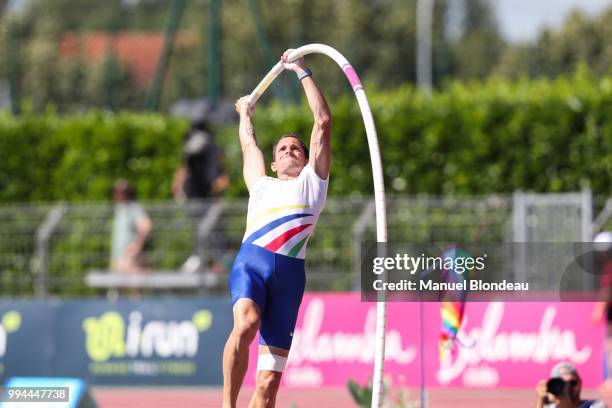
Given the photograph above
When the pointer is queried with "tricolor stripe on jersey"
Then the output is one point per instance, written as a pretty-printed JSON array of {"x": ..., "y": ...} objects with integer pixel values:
[
  {"x": 273, "y": 210},
  {"x": 286, "y": 235}
]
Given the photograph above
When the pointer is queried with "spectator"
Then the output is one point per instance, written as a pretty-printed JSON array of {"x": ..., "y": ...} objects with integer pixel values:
[
  {"x": 562, "y": 390},
  {"x": 602, "y": 244},
  {"x": 201, "y": 174},
  {"x": 131, "y": 228}
]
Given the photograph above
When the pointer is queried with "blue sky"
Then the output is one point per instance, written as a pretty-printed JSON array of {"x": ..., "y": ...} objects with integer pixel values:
[{"x": 521, "y": 20}]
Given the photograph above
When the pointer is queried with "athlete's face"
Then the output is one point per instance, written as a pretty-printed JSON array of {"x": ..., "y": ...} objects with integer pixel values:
[{"x": 289, "y": 158}]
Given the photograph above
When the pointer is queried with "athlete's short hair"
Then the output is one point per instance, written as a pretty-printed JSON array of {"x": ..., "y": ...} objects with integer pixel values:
[{"x": 294, "y": 135}]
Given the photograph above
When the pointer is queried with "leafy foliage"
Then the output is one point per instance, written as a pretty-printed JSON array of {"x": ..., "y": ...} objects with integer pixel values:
[
  {"x": 581, "y": 40},
  {"x": 361, "y": 395},
  {"x": 476, "y": 138},
  {"x": 77, "y": 158},
  {"x": 378, "y": 37}
]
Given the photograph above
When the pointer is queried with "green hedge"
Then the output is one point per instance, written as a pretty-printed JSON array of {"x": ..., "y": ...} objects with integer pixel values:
[
  {"x": 77, "y": 158},
  {"x": 474, "y": 138}
]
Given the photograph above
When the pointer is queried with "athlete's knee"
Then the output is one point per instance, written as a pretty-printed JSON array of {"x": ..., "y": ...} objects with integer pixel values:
[
  {"x": 268, "y": 383},
  {"x": 246, "y": 330},
  {"x": 246, "y": 326}
]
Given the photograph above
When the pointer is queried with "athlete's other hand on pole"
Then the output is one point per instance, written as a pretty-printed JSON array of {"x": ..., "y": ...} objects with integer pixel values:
[
  {"x": 243, "y": 108},
  {"x": 296, "y": 66}
]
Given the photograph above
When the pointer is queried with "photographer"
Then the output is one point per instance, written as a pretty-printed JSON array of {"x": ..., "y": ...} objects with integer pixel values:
[{"x": 562, "y": 390}]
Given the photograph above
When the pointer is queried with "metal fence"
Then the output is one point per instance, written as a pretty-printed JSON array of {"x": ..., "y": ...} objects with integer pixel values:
[{"x": 49, "y": 249}]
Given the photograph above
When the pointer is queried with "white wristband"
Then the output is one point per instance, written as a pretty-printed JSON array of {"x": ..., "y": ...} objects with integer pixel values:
[{"x": 306, "y": 73}]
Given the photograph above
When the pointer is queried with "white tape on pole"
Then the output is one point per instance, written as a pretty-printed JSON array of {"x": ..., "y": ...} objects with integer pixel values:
[{"x": 379, "y": 186}]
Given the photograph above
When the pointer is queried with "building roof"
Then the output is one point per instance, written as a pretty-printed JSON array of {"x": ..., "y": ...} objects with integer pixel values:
[{"x": 139, "y": 51}]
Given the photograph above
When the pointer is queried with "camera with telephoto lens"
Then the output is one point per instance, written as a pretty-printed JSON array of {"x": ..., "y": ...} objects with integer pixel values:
[{"x": 555, "y": 386}]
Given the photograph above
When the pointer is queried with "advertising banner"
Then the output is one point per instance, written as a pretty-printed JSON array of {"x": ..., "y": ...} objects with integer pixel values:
[
  {"x": 25, "y": 331},
  {"x": 153, "y": 341},
  {"x": 146, "y": 342},
  {"x": 171, "y": 341},
  {"x": 501, "y": 344}
]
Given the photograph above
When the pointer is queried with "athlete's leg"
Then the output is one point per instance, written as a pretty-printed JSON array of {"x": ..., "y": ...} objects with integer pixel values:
[
  {"x": 269, "y": 371},
  {"x": 278, "y": 321},
  {"x": 236, "y": 352},
  {"x": 247, "y": 284}
]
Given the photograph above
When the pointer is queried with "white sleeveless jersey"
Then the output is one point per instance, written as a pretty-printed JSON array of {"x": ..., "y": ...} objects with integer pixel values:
[{"x": 282, "y": 214}]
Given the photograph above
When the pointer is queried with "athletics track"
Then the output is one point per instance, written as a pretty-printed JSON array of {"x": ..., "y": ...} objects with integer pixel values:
[{"x": 108, "y": 397}]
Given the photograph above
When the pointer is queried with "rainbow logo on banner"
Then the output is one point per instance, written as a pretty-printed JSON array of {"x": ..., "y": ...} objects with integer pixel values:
[{"x": 452, "y": 308}]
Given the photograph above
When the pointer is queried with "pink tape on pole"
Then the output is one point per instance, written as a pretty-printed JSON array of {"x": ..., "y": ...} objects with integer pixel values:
[{"x": 352, "y": 77}]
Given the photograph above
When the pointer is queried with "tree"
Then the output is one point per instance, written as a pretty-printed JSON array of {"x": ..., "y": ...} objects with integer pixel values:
[
  {"x": 376, "y": 36},
  {"x": 581, "y": 40},
  {"x": 476, "y": 51}
]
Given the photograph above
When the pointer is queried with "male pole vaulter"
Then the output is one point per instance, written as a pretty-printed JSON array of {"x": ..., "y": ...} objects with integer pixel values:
[{"x": 268, "y": 278}]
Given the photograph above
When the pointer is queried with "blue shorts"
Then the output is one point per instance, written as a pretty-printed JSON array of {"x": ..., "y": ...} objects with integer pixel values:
[{"x": 276, "y": 284}]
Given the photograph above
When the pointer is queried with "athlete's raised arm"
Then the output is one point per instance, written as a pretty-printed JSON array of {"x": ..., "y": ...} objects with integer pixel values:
[
  {"x": 320, "y": 139},
  {"x": 253, "y": 166}
]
